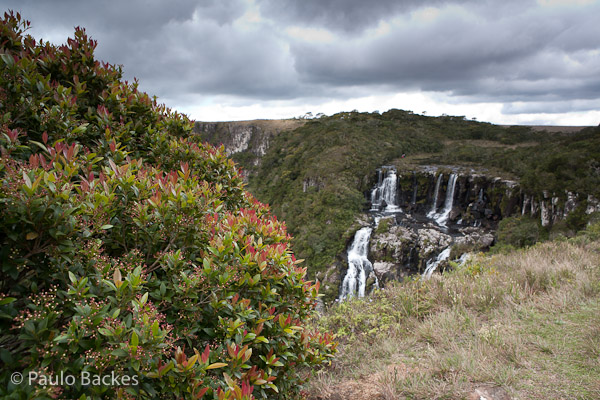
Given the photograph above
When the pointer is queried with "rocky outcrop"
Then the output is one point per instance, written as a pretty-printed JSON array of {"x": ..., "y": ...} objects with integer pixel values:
[
  {"x": 435, "y": 215},
  {"x": 593, "y": 205},
  {"x": 404, "y": 251},
  {"x": 236, "y": 137},
  {"x": 477, "y": 198},
  {"x": 312, "y": 182}
]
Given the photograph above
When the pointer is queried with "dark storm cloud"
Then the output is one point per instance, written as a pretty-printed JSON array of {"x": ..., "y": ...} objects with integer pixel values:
[
  {"x": 344, "y": 15},
  {"x": 524, "y": 51},
  {"x": 175, "y": 47},
  {"x": 536, "y": 54}
]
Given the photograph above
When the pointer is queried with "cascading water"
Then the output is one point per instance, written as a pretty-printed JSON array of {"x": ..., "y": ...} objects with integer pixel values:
[
  {"x": 431, "y": 213},
  {"x": 404, "y": 234},
  {"x": 359, "y": 265},
  {"x": 385, "y": 192},
  {"x": 432, "y": 264},
  {"x": 442, "y": 217}
]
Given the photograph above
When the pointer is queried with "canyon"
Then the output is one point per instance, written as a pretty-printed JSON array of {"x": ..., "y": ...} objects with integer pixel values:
[{"x": 408, "y": 218}]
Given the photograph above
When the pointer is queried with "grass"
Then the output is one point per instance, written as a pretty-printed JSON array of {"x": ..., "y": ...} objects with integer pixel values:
[{"x": 526, "y": 321}]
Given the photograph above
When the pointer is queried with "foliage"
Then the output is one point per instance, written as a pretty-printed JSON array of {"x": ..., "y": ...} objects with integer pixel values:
[
  {"x": 130, "y": 248},
  {"x": 518, "y": 231}
]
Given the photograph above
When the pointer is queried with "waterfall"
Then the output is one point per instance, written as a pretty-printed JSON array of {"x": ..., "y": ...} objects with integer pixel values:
[
  {"x": 385, "y": 191},
  {"x": 432, "y": 264},
  {"x": 431, "y": 213},
  {"x": 464, "y": 258},
  {"x": 442, "y": 217},
  {"x": 359, "y": 265}
]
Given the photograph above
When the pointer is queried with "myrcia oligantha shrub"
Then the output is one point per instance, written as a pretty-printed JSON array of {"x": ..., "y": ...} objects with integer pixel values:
[{"x": 133, "y": 262}]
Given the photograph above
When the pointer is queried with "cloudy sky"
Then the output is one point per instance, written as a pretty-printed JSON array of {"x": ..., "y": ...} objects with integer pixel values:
[{"x": 502, "y": 61}]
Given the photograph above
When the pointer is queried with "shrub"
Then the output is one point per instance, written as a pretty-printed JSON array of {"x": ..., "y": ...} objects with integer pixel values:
[
  {"x": 518, "y": 231},
  {"x": 130, "y": 249}
]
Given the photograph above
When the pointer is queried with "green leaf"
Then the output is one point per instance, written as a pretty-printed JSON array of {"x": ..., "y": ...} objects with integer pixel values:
[
  {"x": 119, "y": 353},
  {"x": 105, "y": 332},
  {"x": 27, "y": 180},
  {"x": 134, "y": 340},
  {"x": 81, "y": 128},
  {"x": 166, "y": 369},
  {"x": 8, "y": 59},
  {"x": 7, "y": 300},
  {"x": 72, "y": 277},
  {"x": 107, "y": 226},
  {"x": 61, "y": 338},
  {"x": 155, "y": 329},
  {"x": 40, "y": 145},
  {"x": 217, "y": 365}
]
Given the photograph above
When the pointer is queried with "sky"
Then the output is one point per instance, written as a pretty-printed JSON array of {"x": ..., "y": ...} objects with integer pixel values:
[{"x": 501, "y": 61}]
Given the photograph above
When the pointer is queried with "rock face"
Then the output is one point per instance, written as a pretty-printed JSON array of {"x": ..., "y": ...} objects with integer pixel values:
[
  {"x": 476, "y": 197},
  {"x": 438, "y": 214},
  {"x": 484, "y": 200},
  {"x": 402, "y": 251},
  {"x": 249, "y": 137}
]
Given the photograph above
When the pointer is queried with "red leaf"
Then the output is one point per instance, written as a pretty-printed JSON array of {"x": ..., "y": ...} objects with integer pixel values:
[
  {"x": 205, "y": 354},
  {"x": 200, "y": 394}
]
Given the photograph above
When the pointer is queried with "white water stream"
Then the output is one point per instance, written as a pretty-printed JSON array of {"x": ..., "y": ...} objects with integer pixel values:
[
  {"x": 431, "y": 213},
  {"x": 359, "y": 265},
  {"x": 432, "y": 264},
  {"x": 385, "y": 192},
  {"x": 442, "y": 217}
]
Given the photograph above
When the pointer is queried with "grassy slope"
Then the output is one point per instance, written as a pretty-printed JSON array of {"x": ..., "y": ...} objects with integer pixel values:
[{"x": 527, "y": 321}]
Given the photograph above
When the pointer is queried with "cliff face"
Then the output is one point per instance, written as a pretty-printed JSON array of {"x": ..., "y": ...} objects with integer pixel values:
[
  {"x": 435, "y": 214},
  {"x": 245, "y": 141},
  {"x": 439, "y": 214}
]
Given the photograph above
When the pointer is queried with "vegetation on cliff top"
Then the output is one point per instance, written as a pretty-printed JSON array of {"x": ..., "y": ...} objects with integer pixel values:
[{"x": 128, "y": 248}]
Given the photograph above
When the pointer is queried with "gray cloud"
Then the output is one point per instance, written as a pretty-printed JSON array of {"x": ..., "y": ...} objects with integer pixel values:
[
  {"x": 534, "y": 55},
  {"x": 473, "y": 51},
  {"x": 350, "y": 16}
]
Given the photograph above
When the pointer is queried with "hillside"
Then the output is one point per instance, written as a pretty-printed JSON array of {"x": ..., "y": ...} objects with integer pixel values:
[{"x": 318, "y": 176}]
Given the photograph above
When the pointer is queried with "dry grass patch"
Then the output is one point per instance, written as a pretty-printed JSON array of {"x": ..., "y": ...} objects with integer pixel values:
[{"x": 527, "y": 322}]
